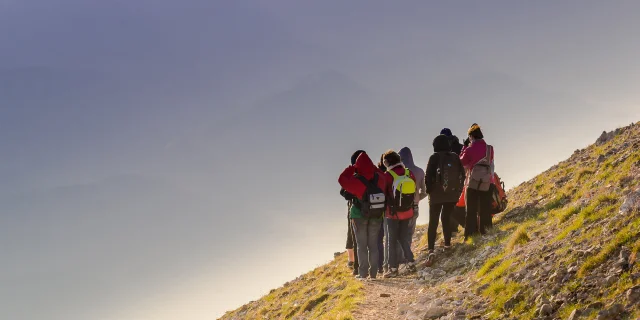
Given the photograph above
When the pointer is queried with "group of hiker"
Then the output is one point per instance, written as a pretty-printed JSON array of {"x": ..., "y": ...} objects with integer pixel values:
[{"x": 459, "y": 181}]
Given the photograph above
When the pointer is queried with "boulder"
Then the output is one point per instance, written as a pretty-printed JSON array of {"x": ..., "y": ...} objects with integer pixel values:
[
  {"x": 633, "y": 294},
  {"x": 575, "y": 314},
  {"x": 631, "y": 202},
  {"x": 435, "y": 312},
  {"x": 545, "y": 310}
]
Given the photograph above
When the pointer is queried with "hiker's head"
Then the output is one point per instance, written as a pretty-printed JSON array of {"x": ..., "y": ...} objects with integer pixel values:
[
  {"x": 447, "y": 132},
  {"x": 475, "y": 133},
  {"x": 381, "y": 165},
  {"x": 355, "y": 155},
  {"x": 390, "y": 158},
  {"x": 441, "y": 143},
  {"x": 364, "y": 166},
  {"x": 406, "y": 156}
]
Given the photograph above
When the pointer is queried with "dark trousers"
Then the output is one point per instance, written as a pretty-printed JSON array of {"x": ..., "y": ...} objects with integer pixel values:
[
  {"x": 381, "y": 247},
  {"x": 351, "y": 243},
  {"x": 478, "y": 206},
  {"x": 457, "y": 218},
  {"x": 399, "y": 231},
  {"x": 366, "y": 231},
  {"x": 439, "y": 211}
]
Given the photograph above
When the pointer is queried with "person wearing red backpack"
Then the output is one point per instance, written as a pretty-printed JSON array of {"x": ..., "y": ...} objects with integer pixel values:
[
  {"x": 400, "y": 194},
  {"x": 368, "y": 185},
  {"x": 477, "y": 158}
]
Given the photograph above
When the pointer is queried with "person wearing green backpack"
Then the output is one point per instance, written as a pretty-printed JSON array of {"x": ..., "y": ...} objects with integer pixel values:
[{"x": 400, "y": 194}]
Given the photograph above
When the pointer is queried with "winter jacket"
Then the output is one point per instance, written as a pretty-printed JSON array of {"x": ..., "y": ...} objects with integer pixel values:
[
  {"x": 351, "y": 184},
  {"x": 399, "y": 170},
  {"x": 472, "y": 154},
  {"x": 436, "y": 193},
  {"x": 421, "y": 188}
]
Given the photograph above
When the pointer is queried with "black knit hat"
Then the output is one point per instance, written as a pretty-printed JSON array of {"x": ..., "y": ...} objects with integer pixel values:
[
  {"x": 475, "y": 131},
  {"x": 355, "y": 155}
]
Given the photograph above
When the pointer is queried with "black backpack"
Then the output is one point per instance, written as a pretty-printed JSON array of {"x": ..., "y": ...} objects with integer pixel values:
[
  {"x": 449, "y": 176},
  {"x": 373, "y": 202}
]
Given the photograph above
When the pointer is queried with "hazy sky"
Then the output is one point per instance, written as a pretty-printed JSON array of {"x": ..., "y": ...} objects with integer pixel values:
[{"x": 176, "y": 159}]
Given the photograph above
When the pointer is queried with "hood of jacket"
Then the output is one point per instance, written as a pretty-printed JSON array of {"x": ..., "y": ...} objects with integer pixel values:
[
  {"x": 407, "y": 157},
  {"x": 441, "y": 143},
  {"x": 364, "y": 166}
]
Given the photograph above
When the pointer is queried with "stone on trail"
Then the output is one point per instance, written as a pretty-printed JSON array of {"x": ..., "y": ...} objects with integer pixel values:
[
  {"x": 545, "y": 310},
  {"x": 385, "y": 295},
  {"x": 631, "y": 202},
  {"x": 435, "y": 312},
  {"x": 575, "y": 314}
]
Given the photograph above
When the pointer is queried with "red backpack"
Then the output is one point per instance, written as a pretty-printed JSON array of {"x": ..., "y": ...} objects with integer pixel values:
[{"x": 499, "y": 196}]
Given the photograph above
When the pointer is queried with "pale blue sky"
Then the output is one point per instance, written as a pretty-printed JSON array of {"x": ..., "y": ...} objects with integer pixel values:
[{"x": 175, "y": 159}]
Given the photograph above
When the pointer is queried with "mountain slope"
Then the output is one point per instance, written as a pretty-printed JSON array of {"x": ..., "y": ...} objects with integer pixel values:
[{"x": 565, "y": 248}]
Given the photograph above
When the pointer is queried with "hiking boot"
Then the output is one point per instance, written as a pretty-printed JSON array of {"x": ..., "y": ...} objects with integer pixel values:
[
  {"x": 355, "y": 272},
  {"x": 411, "y": 266},
  {"x": 385, "y": 269},
  {"x": 361, "y": 278},
  {"x": 350, "y": 264},
  {"x": 447, "y": 246},
  {"x": 430, "y": 258},
  {"x": 392, "y": 273}
]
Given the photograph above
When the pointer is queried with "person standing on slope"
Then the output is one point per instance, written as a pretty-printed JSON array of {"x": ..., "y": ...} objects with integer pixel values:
[
  {"x": 352, "y": 248},
  {"x": 367, "y": 184},
  {"x": 400, "y": 193},
  {"x": 421, "y": 189},
  {"x": 477, "y": 158},
  {"x": 458, "y": 214},
  {"x": 444, "y": 180}
]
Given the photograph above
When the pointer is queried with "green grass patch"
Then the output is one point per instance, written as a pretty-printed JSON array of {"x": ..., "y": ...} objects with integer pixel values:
[
  {"x": 500, "y": 292},
  {"x": 498, "y": 271},
  {"x": 520, "y": 236},
  {"x": 577, "y": 223},
  {"x": 566, "y": 213},
  {"x": 624, "y": 236},
  {"x": 489, "y": 264},
  {"x": 557, "y": 202},
  {"x": 583, "y": 173}
]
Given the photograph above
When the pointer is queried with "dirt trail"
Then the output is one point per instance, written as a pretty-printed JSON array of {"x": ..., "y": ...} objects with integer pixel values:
[{"x": 401, "y": 291}]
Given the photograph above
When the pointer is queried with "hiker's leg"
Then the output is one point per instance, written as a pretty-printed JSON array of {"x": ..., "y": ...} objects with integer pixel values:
[
  {"x": 434, "y": 216},
  {"x": 400, "y": 252},
  {"x": 447, "y": 211},
  {"x": 414, "y": 221},
  {"x": 405, "y": 239},
  {"x": 471, "y": 221},
  {"x": 386, "y": 242},
  {"x": 374, "y": 231},
  {"x": 360, "y": 226},
  {"x": 355, "y": 248},
  {"x": 484, "y": 208},
  {"x": 392, "y": 233},
  {"x": 350, "y": 241},
  {"x": 381, "y": 246}
]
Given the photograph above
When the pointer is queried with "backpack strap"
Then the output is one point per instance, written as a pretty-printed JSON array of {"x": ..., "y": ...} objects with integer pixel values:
[
  {"x": 369, "y": 183},
  {"x": 393, "y": 174}
]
